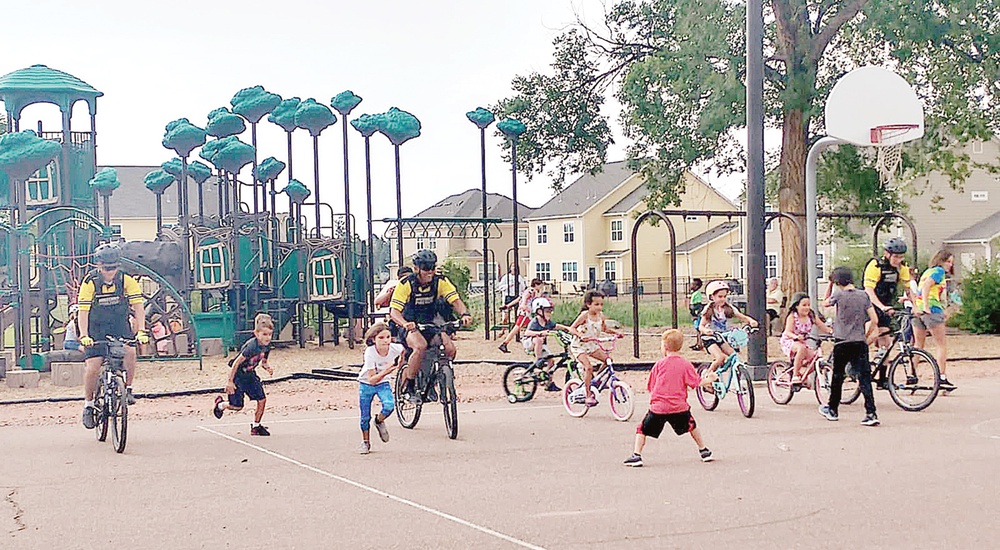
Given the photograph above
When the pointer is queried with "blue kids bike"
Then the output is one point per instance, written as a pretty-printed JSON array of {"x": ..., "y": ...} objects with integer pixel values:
[{"x": 733, "y": 375}]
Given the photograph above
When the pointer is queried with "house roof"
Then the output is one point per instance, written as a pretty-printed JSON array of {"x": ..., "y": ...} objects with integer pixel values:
[
  {"x": 703, "y": 239},
  {"x": 629, "y": 201},
  {"x": 469, "y": 204},
  {"x": 738, "y": 247},
  {"x": 612, "y": 253},
  {"x": 133, "y": 201},
  {"x": 985, "y": 230},
  {"x": 580, "y": 195}
]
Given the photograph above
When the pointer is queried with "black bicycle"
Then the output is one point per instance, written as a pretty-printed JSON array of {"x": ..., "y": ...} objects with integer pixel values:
[
  {"x": 110, "y": 400},
  {"x": 911, "y": 375},
  {"x": 520, "y": 382},
  {"x": 435, "y": 381}
]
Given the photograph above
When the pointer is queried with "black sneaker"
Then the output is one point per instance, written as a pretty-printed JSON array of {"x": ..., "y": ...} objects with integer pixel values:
[
  {"x": 503, "y": 348},
  {"x": 89, "y": 417},
  {"x": 870, "y": 420},
  {"x": 945, "y": 384},
  {"x": 706, "y": 454},
  {"x": 828, "y": 413},
  {"x": 259, "y": 430},
  {"x": 552, "y": 387},
  {"x": 634, "y": 461},
  {"x": 215, "y": 409}
]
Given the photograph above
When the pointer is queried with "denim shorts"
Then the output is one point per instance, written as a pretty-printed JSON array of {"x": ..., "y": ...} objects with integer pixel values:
[{"x": 928, "y": 320}]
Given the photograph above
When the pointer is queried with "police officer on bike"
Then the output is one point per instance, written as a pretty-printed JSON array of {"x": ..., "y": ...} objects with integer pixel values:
[
  {"x": 417, "y": 299},
  {"x": 105, "y": 298},
  {"x": 883, "y": 278}
]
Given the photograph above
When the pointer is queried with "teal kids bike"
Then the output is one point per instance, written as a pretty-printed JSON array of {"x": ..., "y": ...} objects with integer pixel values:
[{"x": 733, "y": 375}]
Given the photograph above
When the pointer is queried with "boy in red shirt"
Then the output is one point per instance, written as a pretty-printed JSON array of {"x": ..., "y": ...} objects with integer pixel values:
[{"x": 668, "y": 386}]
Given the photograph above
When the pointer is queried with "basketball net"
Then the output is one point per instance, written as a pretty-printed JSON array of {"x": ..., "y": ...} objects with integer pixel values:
[{"x": 888, "y": 157}]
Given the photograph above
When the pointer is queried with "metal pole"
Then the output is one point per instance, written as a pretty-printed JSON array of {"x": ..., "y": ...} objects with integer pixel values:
[
  {"x": 159, "y": 215},
  {"x": 812, "y": 239},
  {"x": 486, "y": 244},
  {"x": 513, "y": 176},
  {"x": 371, "y": 252},
  {"x": 756, "y": 308},
  {"x": 319, "y": 232},
  {"x": 399, "y": 214},
  {"x": 221, "y": 185},
  {"x": 350, "y": 262},
  {"x": 185, "y": 228}
]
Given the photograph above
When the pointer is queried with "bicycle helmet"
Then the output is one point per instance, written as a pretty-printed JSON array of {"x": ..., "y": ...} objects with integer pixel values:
[
  {"x": 540, "y": 303},
  {"x": 895, "y": 245},
  {"x": 108, "y": 254},
  {"x": 716, "y": 286},
  {"x": 425, "y": 260}
]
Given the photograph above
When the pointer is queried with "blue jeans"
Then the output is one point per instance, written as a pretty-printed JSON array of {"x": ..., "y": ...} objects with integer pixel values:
[{"x": 367, "y": 393}]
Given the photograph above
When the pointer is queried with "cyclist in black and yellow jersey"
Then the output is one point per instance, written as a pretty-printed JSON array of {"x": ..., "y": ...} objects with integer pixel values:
[
  {"x": 883, "y": 279},
  {"x": 106, "y": 296},
  {"x": 416, "y": 299}
]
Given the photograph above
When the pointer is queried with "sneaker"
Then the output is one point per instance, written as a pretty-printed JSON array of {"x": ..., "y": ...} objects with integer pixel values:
[
  {"x": 912, "y": 381},
  {"x": 259, "y": 430},
  {"x": 89, "y": 417},
  {"x": 216, "y": 410},
  {"x": 383, "y": 431},
  {"x": 365, "y": 448},
  {"x": 828, "y": 413},
  {"x": 696, "y": 347},
  {"x": 590, "y": 401},
  {"x": 945, "y": 384},
  {"x": 129, "y": 398},
  {"x": 870, "y": 420},
  {"x": 552, "y": 387},
  {"x": 503, "y": 348},
  {"x": 706, "y": 454},
  {"x": 634, "y": 461}
]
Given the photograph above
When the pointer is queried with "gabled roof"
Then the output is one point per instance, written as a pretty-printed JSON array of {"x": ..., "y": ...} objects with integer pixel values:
[
  {"x": 703, "y": 239},
  {"x": 985, "y": 230},
  {"x": 579, "y": 196},
  {"x": 629, "y": 201},
  {"x": 469, "y": 204},
  {"x": 133, "y": 201}
]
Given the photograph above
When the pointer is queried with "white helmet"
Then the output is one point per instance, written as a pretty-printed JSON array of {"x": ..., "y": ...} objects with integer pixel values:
[
  {"x": 540, "y": 303},
  {"x": 716, "y": 286}
]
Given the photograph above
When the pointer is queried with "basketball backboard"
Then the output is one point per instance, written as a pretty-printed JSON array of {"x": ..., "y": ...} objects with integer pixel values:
[{"x": 872, "y": 106}]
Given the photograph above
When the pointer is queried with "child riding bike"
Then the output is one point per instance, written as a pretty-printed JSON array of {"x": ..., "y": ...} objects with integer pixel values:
[
  {"x": 715, "y": 318},
  {"x": 538, "y": 329},
  {"x": 591, "y": 324},
  {"x": 799, "y": 325}
]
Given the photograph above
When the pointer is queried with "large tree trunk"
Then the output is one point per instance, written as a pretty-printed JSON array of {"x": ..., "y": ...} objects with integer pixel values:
[{"x": 791, "y": 198}]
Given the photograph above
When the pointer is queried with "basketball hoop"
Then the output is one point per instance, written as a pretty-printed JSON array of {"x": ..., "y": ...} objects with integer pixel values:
[{"x": 888, "y": 149}]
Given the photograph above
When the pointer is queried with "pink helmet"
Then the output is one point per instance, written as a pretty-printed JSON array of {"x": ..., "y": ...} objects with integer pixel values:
[{"x": 716, "y": 286}]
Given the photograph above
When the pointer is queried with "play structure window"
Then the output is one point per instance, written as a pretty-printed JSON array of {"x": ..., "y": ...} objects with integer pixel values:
[
  {"x": 43, "y": 186},
  {"x": 213, "y": 263},
  {"x": 543, "y": 271},
  {"x": 325, "y": 278},
  {"x": 570, "y": 272},
  {"x": 617, "y": 232}
]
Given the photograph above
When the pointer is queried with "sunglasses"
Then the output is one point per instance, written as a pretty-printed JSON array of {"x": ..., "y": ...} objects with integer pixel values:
[{"x": 109, "y": 268}]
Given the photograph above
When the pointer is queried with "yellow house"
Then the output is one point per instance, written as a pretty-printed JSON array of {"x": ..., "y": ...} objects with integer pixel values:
[
  {"x": 582, "y": 236},
  {"x": 133, "y": 206}
]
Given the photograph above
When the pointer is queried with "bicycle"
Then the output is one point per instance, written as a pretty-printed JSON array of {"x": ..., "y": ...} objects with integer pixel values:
[
  {"x": 520, "y": 382},
  {"x": 435, "y": 381},
  {"x": 818, "y": 377},
  {"x": 912, "y": 376},
  {"x": 734, "y": 367},
  {"x": 620, "y": 395},
  {"x": 109, "y": 399}
]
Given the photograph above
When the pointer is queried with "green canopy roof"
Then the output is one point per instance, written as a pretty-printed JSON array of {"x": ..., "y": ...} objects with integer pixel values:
[{"x": 39, "y": 83}]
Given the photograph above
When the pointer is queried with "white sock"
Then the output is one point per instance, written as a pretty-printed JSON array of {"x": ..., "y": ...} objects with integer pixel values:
[
  {"x": 88, "y": 403},
  {"x": 255, "y": 424}
]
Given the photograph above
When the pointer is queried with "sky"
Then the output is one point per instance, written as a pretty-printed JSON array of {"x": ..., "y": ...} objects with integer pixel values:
[{"x": 438, "y": 59}]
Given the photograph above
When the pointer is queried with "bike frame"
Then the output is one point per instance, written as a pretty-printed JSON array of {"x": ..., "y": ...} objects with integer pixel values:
[{"x": 728, "y": 367}]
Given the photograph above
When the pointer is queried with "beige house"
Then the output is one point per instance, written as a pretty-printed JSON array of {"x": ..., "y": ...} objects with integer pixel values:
[
  {"x": 582, "y": 236},
  {"x": 133, "y": 206},
  {"x": 464, "y": 242}
]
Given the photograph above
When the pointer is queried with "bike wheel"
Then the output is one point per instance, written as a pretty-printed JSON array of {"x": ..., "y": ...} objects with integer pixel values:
[
  {"x": 622, "y": 401},
  {"x": 101, "y": 430},
  {"x": 851, "y": 389},
  {"x": 519, "y": 383},
  {"x": 573, "y": 395},
  {"x": 707, "y": 399},
  {"x": 449, "y": 398},
  {"x": 914, "y": 380},
  {"x": 118, "y": 411},
  {"x": 779, "y": 382},
  {"x": 407, "y": 412},
  {"x": 823, "y": 379},
  {"x": 744, "y": 391}
]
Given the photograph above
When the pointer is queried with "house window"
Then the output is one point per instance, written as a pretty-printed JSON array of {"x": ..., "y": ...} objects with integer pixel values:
[
  {"x": 770, "y": 224},
  {"x": 543, "y": 234},
  {"x": 481, "y": 272},
  {"x": 980, "y": 196},
  {"x": 116, "y": 232},
  {"x": 568, "y": 232},
  {"x": 213, "y": 265},
  {"x": 570, "y": 272},
  {"x": 610, "y": 270},
  {"x": 770, "y": 265},
  {"x": 977, "y": 147},
  {"x": 421, "y": 242},
  {"x": 742, "y": 267},
  {"x": 617, "y": 231},
  {"x": 522, "y": 237},
  {"x": 543, "y": 271},
  {"x": 432, "y": 243},
  {"x": 43, "y": 186},
  {"x": 820, "y": 265},
  {"x": 325, "y": 277}
]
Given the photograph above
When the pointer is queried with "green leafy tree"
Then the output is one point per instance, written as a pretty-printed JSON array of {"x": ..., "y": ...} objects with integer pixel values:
[
  {"x": 459, "y": 275},
  {"x": 677, "y": 68}
]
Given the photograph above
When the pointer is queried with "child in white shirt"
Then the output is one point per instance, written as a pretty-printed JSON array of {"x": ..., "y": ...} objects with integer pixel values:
[{"x": 382, "y": 358}]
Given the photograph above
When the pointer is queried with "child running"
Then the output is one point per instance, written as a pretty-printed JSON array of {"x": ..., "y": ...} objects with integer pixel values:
[
  {"x": 715, "y": 318},
  {"x": 854, "y": 310},
  {"x": 668, "y": 387},
  {"x": 799, "y": 324},
  {"x": 243, "y": 378},
  {"x": 590, "y": 324},
  {"x": 538, "y": 329},
  {"x": 382, "y": 358},
  {"x": 696, "y": 304},
  {"x": 523, "y": 312}
]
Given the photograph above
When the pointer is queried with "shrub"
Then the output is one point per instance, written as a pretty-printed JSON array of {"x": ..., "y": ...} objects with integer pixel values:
[
  {"x": 459, "y": 275},
  {"x": 981, "y": 299}
]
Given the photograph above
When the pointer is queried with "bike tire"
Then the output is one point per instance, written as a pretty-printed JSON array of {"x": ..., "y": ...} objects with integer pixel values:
[
  {"x": 407, "y": 412},
  {"x": 823, "y": 380},
  {"x": 622, "y": 401},
  {"x": 918, "y": 395},
  {"x": 519, "y": 383},
  {"x": 449, "y": 398},
  {"x": 119, "y": 417},
  {"x": 709, "y": 400},
  {"x": 850, "y": 390},
  {"x": 100, "y": 408},
  {"x": 779, "y": 382},
  {"x": 576, "y": 410},
  {"x": 744, "y": 391}
]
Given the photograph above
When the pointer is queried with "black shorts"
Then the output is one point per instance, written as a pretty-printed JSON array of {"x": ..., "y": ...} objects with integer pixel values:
[
  {"x": 681, "y": 422},
  {"x": 884, "y": 320},
  {"x": 249, "y": 385},
  {"x": 509, "y": 299},
  {"x": 772, "y": 314},
  {"x": 707, "y": 340}
]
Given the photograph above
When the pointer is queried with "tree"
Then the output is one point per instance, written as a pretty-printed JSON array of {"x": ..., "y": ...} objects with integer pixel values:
[{"x": 677, "y": 67}]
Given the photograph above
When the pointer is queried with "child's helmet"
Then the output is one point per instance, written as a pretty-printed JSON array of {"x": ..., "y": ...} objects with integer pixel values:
[
  {"x": 716, "y": 286},
  {"x": 540, "y": 303}
]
